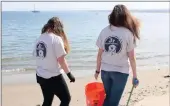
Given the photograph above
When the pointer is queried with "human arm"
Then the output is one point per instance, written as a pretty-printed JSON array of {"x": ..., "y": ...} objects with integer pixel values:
[
  {"x": 132, "y": 58},
  {"x": 99, "y": 55},
  {"x": 64, "y": 65},
  {"x": 98, "y": 66},
  {"x": 60, "y": 54}
]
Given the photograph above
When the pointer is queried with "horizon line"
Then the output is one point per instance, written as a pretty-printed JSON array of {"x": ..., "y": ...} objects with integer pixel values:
[{"x": 133, "y": 10}]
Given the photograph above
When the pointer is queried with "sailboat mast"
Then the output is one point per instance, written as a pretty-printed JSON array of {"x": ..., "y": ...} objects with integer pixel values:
[{"x": 35, "y": 11}]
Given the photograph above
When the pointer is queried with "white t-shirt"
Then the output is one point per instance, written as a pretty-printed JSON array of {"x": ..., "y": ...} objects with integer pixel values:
[
  {"x": 47, "y": 49},
  {"x": 116, "y": 42}
]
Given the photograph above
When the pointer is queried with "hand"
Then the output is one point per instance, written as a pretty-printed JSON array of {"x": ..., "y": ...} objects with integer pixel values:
[
  {"x": 135, "y": 82},
  {"x": 71, "y": 77},
  {"x": 96, "y": 75}
]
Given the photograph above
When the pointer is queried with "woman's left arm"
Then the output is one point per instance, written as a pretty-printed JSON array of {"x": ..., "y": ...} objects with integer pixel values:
[{"x": 99, "y": 58}]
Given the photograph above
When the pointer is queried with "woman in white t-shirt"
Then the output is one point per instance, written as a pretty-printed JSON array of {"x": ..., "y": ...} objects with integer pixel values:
[
  {"x": 116, "y": 44},
  {"x": 50, "y": 51}
]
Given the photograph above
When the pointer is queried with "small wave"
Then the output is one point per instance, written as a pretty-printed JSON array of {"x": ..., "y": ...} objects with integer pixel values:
[
  {"x": 14, "y": 70},
  {"x": 148, "y": 57},
  {"x": 6, "y": 59},
  {"x": 18, "y": 70}
]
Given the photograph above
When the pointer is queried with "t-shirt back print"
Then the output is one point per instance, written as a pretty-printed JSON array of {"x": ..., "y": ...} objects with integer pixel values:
[
  {"x": 113, "y": 45},
  {"x": 41, "y": 50}
]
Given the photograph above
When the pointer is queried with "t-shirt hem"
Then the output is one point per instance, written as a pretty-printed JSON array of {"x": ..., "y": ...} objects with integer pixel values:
[
  {"x": 115, "y": 71},
  {"x": 47, "y": 77}
]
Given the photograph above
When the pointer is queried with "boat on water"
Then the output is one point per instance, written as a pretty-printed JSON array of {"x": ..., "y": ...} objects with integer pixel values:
[{"x": 35, "y": 11}]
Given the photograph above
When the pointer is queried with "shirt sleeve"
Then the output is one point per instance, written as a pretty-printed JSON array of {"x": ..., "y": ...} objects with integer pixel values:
[
  {"x": 130, "y": 42},
  {"x": 99, "y": 41},
  {"x": 58, "y": 47}
]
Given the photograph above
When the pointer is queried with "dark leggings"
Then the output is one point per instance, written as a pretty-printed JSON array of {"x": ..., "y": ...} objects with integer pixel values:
[{"x": 54, "y": 86}]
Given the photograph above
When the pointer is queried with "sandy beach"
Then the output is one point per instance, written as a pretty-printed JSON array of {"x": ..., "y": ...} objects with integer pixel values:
[
  {"x": 152, "y": 91},
  {"x": 83, "y": 23}
]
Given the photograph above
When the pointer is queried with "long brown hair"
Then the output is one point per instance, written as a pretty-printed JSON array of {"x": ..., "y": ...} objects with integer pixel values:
[
  {"x": 121, "y": 17},
  {"x": 55, "y": 26}
]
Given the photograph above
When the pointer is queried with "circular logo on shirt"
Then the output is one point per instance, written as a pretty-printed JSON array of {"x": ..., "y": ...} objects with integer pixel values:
[
  {"x": 113, "y": 45},
  {"x": 41, "y": 51}
]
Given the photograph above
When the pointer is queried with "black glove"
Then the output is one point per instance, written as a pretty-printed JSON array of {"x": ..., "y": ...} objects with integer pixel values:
[{"x": 71, "y": 77}]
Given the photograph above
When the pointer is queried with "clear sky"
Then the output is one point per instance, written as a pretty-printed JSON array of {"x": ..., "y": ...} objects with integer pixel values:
[{"x": 56, "y": 6}]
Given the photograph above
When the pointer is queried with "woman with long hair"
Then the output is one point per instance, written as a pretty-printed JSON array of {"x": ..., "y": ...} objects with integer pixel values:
[
  {"x": 116, "y": 44},
  {"x": 50, "y": 51}
]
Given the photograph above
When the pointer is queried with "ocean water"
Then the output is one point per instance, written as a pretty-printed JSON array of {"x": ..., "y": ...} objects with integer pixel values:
[{"x": 20, "y": 30}]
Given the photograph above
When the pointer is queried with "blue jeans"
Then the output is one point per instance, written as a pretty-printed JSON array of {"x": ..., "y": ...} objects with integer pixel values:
[{"x": 114, "y": 84}]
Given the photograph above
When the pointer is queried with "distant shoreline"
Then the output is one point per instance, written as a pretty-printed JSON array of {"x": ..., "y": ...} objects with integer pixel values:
[{"x": 141, "y": 11}]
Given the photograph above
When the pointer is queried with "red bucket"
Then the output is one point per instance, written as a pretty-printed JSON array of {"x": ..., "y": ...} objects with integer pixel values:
[{"x": 95, "y": 94}]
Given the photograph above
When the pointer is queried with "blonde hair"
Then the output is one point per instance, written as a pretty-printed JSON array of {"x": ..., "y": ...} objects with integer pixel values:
[{"x": 55, "y": 26}]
